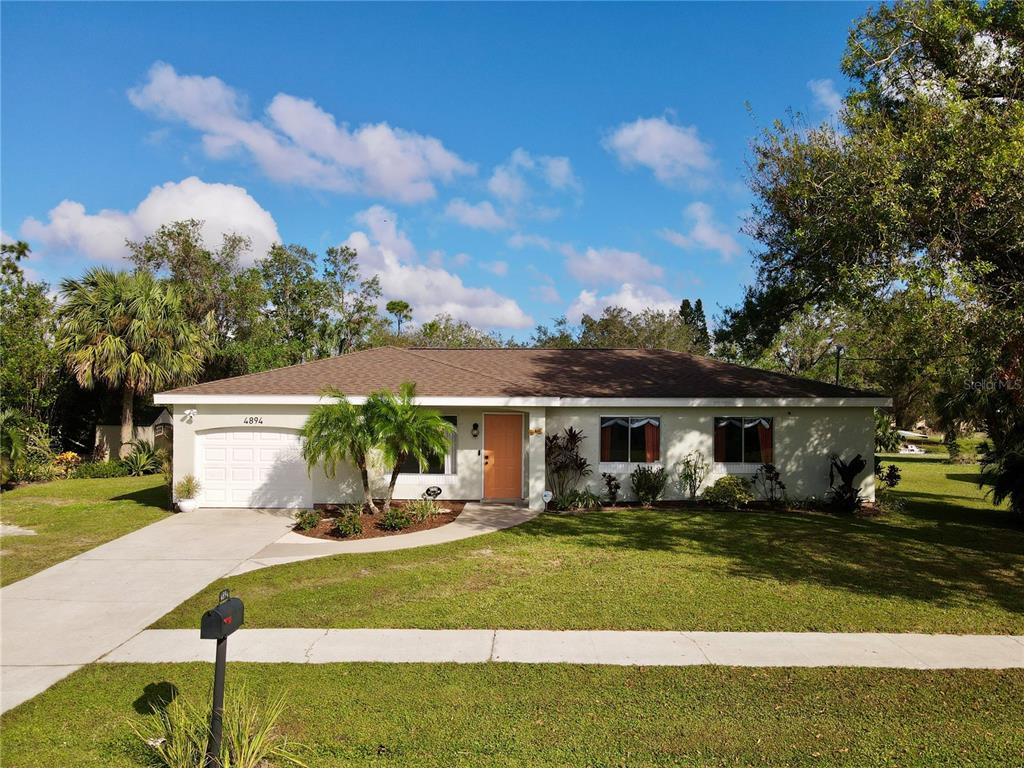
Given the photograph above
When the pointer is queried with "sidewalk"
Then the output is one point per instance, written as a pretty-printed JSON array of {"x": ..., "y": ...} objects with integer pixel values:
[{"x": 469, "y": 646}]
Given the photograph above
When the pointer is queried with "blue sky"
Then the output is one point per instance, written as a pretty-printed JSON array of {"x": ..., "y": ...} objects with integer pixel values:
[{"x": 504, "y": 163}]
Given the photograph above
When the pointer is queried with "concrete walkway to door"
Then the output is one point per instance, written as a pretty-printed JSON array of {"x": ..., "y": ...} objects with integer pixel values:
[
  {"x": 477, "y": 518},
  {"x": 69, "y": 615}
]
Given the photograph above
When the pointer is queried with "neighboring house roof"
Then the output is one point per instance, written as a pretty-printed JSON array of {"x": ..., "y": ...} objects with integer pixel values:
[{"x": 560, "y": 373}]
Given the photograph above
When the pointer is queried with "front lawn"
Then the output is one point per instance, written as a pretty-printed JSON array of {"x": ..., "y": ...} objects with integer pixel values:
[
  {"x": 947, "y": 563},
  {"x": 72, "y": 516},
  {"x": 558, "y": 715}
]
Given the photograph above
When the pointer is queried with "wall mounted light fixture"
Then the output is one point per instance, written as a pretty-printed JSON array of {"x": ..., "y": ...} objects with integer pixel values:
[
  {"x": 190, "y": 413},
  {"x": 476, "y": 430}
]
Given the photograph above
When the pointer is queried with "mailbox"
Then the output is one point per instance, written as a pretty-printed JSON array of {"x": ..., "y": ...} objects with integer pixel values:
[{"x": 221, "y": 621}]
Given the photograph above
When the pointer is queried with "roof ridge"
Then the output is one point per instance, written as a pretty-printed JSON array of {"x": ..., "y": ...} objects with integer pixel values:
[{"x": 460, "y": 367}]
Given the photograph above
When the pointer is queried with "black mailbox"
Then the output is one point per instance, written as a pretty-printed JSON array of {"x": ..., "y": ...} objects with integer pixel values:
[{"x": 221, "y": 621}]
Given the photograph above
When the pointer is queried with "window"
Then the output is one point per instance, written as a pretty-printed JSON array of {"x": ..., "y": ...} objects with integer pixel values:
[
  {"x": 740, "y": 440},
  {"x": 632, "y": 439},
  {"x": 438, "y": 465}
]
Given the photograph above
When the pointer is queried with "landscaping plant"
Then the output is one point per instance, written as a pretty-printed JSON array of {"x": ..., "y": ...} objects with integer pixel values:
[
  {"x": 307, "y": 519},
  {"x": 187, "y": 488},
  {"x": 143, "y": 459},
  {"x": 731, "y": 492},
  {"x": 349, "y": 521},
  {"x": 179, "y": 736},
  {"x": 612, "y": 487},
  {"x": 887, "y": 439},
  {"x": 693, "y": 470},
  {"x": 421, "y": 510},
  {"x": 12, "y": 445},
  {"x": 576, "y": 500},
  {"x": 648, "y": 483},
  {"x": 845, "y": 497},
  {"x": 66, "y": 462},
  {"x": 100, "y": 469},
  {"x": 769, "y": 483},
  {"x": 395, "y": 519},
  {"x": 566, "y": 466}
]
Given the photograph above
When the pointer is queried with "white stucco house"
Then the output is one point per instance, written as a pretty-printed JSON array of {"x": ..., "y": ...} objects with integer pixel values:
[{"x": 240, "y": 436}]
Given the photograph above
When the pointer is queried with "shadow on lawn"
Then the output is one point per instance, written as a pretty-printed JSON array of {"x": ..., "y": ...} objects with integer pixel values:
[
  {"x": 155, "y": 496},
  {"x": 967, "y": 556}
]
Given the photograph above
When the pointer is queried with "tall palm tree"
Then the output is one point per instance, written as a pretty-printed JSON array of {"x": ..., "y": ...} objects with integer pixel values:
[
  {"x": 129, "y": 331},
  {"x": 335, "y": 432},
  {"x": 404, "y": 430}
]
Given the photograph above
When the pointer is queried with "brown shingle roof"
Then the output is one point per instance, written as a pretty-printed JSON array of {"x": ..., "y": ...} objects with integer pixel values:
[{"x": 525, "y": 373}]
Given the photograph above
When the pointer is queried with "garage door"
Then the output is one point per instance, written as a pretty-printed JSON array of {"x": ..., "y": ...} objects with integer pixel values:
[{"x": 252, "y": 468}]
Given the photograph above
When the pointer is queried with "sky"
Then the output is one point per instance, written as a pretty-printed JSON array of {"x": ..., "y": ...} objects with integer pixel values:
[{"x": 504, "y": 163}]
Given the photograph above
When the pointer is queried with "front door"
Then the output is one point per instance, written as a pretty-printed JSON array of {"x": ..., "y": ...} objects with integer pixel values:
[{"x": 503, "y": 455}]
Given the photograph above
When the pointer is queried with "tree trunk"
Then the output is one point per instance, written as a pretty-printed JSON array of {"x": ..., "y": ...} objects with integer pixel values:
[
  {"x": 367, "y": 493},
  {"x": 127, "y": 422},
  {"x": 391, "y": 486}
]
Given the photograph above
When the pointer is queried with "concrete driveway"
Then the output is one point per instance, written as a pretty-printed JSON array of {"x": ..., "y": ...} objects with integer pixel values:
[{"x": 70, "y": 615}]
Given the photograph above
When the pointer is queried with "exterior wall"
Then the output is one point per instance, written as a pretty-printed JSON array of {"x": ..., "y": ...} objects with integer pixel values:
[
  {"x": 804, "y": 437},
  {"x": 465, "y": 483},
  {"x": 804, "y": 440}
]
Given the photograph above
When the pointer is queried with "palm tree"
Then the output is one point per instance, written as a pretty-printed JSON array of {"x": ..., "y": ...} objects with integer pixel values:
[
  {"x": 129, "y": 331},
  {"x": 336, "y": 432},
  {"x": 404, "y": 430},
  {"x": 12, "y": 445}
]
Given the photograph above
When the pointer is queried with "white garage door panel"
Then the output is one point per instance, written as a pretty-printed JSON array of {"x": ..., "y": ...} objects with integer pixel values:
[{"x": 252, "y": 468}]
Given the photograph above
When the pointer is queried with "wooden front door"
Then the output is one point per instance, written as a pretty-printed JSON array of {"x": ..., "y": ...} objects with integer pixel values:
[{"x": 503, "y": 455}]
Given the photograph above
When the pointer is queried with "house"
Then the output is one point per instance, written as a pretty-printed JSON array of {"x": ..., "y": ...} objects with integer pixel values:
[{"x": 239, "y": 436}]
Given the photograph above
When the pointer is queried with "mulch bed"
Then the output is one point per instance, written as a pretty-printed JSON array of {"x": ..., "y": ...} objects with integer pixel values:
[{"x": 371, "y": 523}]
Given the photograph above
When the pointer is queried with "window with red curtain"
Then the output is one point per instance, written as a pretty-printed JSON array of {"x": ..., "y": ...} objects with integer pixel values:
[
  {"x": 635, "y": 439},
  {"x": 744, "y": 440}
]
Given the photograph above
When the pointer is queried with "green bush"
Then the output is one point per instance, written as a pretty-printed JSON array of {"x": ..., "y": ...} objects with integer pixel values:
[
  {"x": 421, "y": 510},
  {"x": 395, "y": 519},
  {"x": 98, "y": 469},
  {"x": 578, "y": 500},
  {"x": 307, "y": 519},
  {"x": 730, "y": 491},
  {"x": 144, "y": 459},
  {"x": 648, "y": 483},
  {"x": 349, "y": 522},
  {"x": 187, "y": 488}
]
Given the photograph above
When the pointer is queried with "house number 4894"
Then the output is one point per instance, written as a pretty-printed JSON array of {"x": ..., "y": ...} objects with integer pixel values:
[{"x": 252, "y": 420}]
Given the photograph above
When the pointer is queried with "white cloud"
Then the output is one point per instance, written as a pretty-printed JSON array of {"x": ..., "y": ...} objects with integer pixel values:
[
  {"x": 705, "y": 233},
  {"x": 673, "y": 152},
  {"x": 826, "y": 96},
  {"x": 609, "y": 265},
  {"x": 223, "y": 208},
  {"x": 477, "y": 216},
  {"x": 635, "y": 298},
  {"x": 387, "y": 252},
  {"x": 300, "y": 143},
  {"x": 509, "y": 181},
  {"x": 499, "y": 268},
  {"x": 521, "y": 240}
]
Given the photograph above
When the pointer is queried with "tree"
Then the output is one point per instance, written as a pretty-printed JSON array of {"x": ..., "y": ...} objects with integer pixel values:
[
  {"x": 444, "y": 331},
  {"x": 648, "y": 329},
  {"x": 12, "y": 445},
  {"x": 559, "y": 336},
  {"x": 404, "y": 430},
  {"x": 351, "y": 303},
  {"x": 128, "y": 331},
  {"x": 297, "y": 302},
  {"x": 693, "y": 316},
  {"x": 402, "y": 312},
  {"x": 30, "y": 369},
  {"x": 339, "y": 431}
]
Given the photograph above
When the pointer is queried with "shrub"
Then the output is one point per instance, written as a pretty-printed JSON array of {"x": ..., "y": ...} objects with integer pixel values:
[
  {"x": 769, "y": 483},
  {"x": 612, "y": 487},
  {"x": 844, "y": 497},
  {"x": 887, "y": 439},
  {"x": 97, "y": 469},
  {"x": 692, "y": 471},
  {"x": 307, "y": 519},
  {"x": 144, "y": 459},
  {"x": 578, "y": 500},
  {"x": 187, "y": 488},
  {"x": 395, "y": 519},
  {"x": 731, "y": 491},
  {"x": 66, "y": 462},
  {"x": 566, "y": 466},
  {"x": 889, "y": 476},
  {"x": 421, "y": 510},
  {"x": 178, "y": 736},
  {"x": 349, "y": 522},
  {"x": 648, "y": 483}
]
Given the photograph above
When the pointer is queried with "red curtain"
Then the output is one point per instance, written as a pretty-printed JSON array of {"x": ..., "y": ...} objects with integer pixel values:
[
  {"x": 764, "y": 439},
  {"x": 652, "y": 442},
  {"x": 606, "y": 443},
  {"x": 720, "y": 426}
]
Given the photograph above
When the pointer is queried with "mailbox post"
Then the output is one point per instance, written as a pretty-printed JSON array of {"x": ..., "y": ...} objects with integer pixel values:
[{"x": 217, "y": 624}]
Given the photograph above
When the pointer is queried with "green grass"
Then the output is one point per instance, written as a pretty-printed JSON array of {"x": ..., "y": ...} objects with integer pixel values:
[
  {"x": 948, "y": 562},
  {"x": 516, "y": 715},
  {"x": 71, "y": 516}
]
